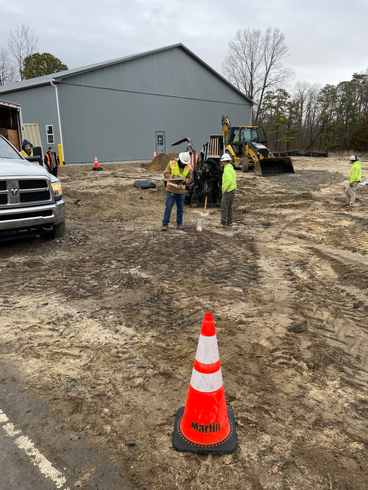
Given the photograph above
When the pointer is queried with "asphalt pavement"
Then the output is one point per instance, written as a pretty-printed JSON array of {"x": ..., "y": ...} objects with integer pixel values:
[{"x": 37, "y": 453}]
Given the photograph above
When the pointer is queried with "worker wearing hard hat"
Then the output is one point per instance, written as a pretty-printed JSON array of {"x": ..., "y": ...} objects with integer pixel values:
[
  {"x": 228, "y": 191},
  {"x": 178, "y": 176},
  {"x": 354, "y": 179}
]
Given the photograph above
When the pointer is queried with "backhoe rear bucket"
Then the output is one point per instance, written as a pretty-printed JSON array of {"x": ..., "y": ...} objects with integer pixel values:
[{"x": 273, "y": 166}]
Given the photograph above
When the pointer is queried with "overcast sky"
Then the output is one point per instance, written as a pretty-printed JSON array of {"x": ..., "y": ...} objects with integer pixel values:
[{"x": 327, "y": 39}]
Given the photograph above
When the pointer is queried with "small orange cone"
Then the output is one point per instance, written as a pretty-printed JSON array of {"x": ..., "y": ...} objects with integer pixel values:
[
  {"x": 154, "y": 154},
  {"x": 205, "y": 425},
  {"x": 96, "y": 167}
]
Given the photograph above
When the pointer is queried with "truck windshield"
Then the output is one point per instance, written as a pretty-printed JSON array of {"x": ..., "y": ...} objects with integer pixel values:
[{"x": 6, "y": 150}]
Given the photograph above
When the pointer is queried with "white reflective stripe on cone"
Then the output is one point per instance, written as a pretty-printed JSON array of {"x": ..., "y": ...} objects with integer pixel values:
[
  {"x": 207, "y": 350},
  {"x": 206, "y": 383}
]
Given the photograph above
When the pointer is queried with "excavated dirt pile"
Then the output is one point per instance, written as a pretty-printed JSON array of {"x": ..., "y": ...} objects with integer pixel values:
[
  {"x": 161, "y": 161},
  {"x": 103, "y": 325}
]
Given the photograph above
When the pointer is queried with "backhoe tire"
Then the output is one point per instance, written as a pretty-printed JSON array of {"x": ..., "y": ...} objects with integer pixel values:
[{"x": 245, "y": 164}]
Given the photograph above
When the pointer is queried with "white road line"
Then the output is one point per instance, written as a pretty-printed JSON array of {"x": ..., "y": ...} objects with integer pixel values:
[
  {"x": 9, "y": 429},
  {"x": 3, "y": 417},
  {"x": 36, "y": 458}
]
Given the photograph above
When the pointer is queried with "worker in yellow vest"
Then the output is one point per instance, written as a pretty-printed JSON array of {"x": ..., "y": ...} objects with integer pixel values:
[
  {"x": 27, "y": 151},
  {"x": 228, "y": 191},
  {"x": 354, "y": 179},
  {"x": 178, "y": 175}
]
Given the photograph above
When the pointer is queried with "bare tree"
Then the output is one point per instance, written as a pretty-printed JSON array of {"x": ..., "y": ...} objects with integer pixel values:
[
  {"x": 253, "y": 63},
  {"x": 307, "y": 97},
  {"x": 21, "y": 43},
  {"x": 7, "y": 69}
]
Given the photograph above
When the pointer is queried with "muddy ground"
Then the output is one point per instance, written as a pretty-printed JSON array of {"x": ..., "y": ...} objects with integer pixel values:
[{"x": 103, "y": 325}]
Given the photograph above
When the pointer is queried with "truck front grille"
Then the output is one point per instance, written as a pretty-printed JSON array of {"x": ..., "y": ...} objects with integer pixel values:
[
  {"x": 34, "y": 196},
  {"x": 26, "y": 191},
  {"x": 32, "y": 184}
]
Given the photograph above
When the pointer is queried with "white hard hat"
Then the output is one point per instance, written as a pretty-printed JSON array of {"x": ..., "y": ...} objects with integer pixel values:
[
  {"x": 353, "y": 158},
  {"x": 226, "y": 157},
  {"x": 184, "y": 157}
]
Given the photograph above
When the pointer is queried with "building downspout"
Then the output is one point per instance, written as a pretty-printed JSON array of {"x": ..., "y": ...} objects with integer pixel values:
[{"x": 59, "y": 120}]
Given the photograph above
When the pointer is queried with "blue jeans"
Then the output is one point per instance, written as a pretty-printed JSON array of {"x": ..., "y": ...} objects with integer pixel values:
[{"x": 171, "y": 198}]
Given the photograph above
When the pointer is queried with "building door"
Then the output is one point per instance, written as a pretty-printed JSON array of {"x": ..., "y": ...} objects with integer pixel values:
[{"x": 160, "y": 142}]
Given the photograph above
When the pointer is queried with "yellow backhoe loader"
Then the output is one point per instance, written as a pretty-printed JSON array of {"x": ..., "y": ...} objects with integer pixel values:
[{"x": 247, "y": 146}]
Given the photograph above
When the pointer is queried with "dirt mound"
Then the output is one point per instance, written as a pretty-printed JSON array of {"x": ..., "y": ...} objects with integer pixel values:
[{"x": 160, "y": 162}]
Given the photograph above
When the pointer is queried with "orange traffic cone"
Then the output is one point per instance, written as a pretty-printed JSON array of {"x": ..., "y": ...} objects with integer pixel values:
[
  {"x": 96, "y": 167},
  {"x": 154, "y": 154},
  {"x": 205, "y": 425}
]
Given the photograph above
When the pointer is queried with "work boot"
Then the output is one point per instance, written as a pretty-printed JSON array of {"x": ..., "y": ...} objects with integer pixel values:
[
  {"x": 230, "y": 224},
  {"x": 164, "y": 228},
  {"x": 179, "y": 227},
  {"x": 221, "y": 226}
]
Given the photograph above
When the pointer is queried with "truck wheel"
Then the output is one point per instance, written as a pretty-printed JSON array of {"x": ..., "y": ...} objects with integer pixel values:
[
  {"x": 245, "y": 164},
  {"x": 55, "y": 233}
]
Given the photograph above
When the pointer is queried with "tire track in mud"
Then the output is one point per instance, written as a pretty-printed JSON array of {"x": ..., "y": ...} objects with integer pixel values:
[
  {"x": 343, "y": 326},
  {"x": 328, "y": 309}
]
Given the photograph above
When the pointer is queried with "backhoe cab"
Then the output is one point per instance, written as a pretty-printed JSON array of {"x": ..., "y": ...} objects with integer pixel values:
[{"x": 247, "y": 146}]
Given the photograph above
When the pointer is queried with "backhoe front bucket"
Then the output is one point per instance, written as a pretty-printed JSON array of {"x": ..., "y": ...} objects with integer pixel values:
[{"x": 273, "y": 166}]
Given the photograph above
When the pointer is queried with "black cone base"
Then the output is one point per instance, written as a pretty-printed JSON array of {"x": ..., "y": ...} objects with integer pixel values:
[
  {"x": 182, "y": 444},
  {"x": 97, "y": 168}
]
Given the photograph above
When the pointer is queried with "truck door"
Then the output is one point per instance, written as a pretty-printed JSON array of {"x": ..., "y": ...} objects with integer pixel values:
[{"x": 160, "y": 142}]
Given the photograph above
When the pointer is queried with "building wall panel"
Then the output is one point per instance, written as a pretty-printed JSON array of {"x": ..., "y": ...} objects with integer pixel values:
[
  {"x": 171, "y": 72},
  {"x": 118, "y": 126}
]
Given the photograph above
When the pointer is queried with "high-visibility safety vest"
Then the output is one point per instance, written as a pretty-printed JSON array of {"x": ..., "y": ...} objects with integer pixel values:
[
  {"x": 49, "y": 159},
  {"x": 25, "y": 154},
  {"x": 174, "y": 168},
  {"x": 355, "y": 172},
  {"x": 228, "y": 178}
]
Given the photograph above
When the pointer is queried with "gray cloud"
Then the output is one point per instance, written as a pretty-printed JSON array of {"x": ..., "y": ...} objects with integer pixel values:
[{"x": 327, "y": 39}]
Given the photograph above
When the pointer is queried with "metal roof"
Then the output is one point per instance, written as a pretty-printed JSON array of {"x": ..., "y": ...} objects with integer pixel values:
[{"x": 60, "y": 76}]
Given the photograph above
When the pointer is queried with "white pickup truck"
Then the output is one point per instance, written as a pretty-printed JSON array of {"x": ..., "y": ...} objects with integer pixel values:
[{"x": 31, "y": 199}]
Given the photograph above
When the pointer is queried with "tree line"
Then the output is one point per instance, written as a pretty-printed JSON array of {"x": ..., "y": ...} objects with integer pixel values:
[
  {"x": 21, "y": 61},
  {"x": 306, "y": 117}
]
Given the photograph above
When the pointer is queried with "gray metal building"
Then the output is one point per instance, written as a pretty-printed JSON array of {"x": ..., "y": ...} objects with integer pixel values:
[{"x": 126, "y": 109}]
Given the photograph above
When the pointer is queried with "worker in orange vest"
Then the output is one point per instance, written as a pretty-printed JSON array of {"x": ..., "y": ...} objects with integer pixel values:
[{"x": 52, "y": 161}]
